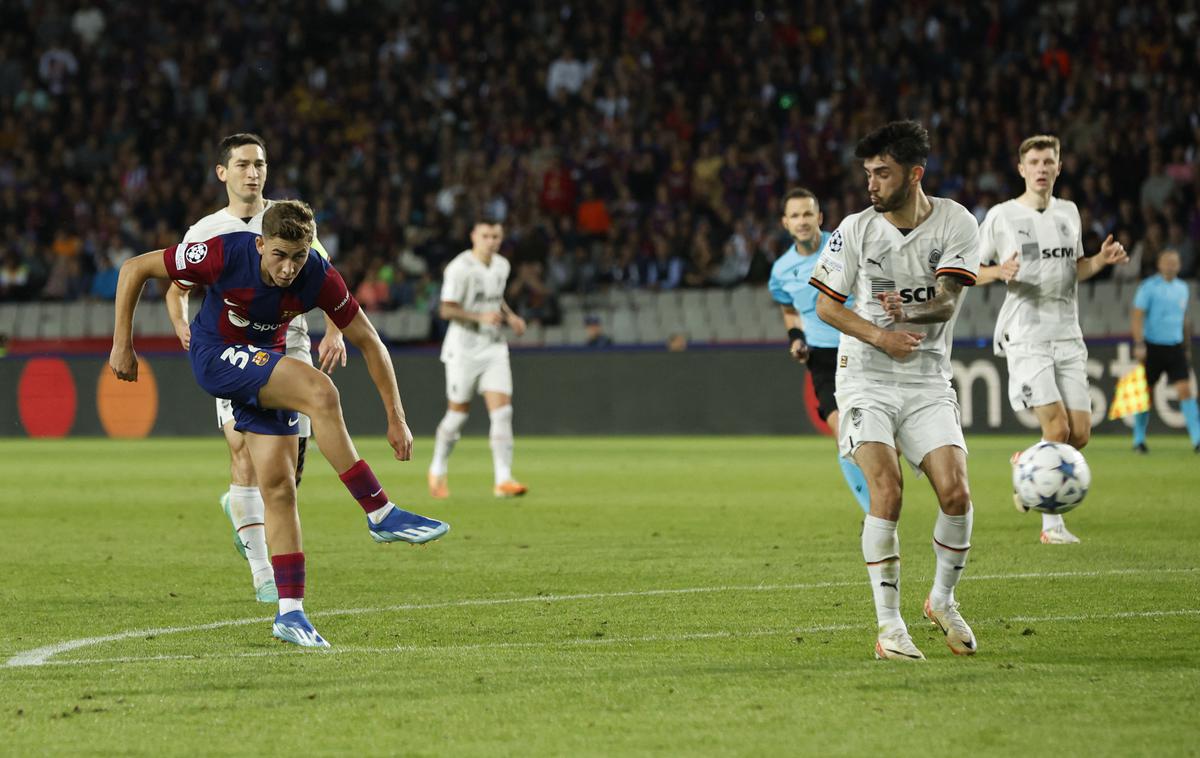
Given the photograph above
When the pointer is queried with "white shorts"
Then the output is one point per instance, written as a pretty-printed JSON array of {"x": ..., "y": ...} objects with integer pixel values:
[
  {"x": 914, "y": 420},
  {"x": 486, "y": 371},
  {"x": 1042, "y": 373},
  {"x": 301, "y": 350}
]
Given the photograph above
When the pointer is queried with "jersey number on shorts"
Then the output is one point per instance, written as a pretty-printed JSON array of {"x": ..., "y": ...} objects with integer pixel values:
[{"x": 236, "y": 357}]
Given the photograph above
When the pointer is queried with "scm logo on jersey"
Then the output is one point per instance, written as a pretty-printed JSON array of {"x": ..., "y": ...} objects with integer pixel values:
[
  {"x": 196, "y": 252},
  {"x": 918, "y": 295},
  {"x": 1058, "y": 252}
]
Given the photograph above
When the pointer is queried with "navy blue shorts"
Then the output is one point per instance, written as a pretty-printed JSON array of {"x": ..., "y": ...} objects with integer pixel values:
[{"x": 237, "y": 373}]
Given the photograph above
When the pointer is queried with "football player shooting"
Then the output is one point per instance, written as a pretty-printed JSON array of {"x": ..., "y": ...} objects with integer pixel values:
[
  {"x": 256, "y": 285},
  {"x": 905, "y": 260}
]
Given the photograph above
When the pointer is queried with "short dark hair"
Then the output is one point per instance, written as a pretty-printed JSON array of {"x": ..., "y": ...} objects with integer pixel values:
[
  {"x": 906, "y": 142},
  {"x": 234, "y": 141},
  {"x": 486, "y": 219},
  {"x": 799, "y": 193},
  {"x": 290, "y": 220}
]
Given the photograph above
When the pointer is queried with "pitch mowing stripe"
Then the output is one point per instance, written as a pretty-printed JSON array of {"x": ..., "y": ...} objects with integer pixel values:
[
  {"x": 597, "y": 642},
  {"x": 41, "y": 655}
]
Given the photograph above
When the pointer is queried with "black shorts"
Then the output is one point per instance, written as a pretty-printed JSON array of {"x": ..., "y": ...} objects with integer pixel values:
[
  {"x": 1165, "y": 359},
  {"x": 822, "y": 365}
]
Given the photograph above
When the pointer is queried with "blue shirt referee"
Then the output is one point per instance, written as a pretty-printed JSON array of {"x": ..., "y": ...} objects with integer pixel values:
[
  {"x": 810, "y": 340},
  {"x": 1162, "y": 341}
]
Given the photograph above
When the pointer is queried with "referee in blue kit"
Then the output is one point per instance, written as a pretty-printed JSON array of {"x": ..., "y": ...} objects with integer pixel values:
[{"x": 1162, "y": 340}]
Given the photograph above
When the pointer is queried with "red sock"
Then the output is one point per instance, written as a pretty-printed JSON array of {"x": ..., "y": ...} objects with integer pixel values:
[
  {"x": 364, "y": 487},
  {"x": 289, "y": 575}
]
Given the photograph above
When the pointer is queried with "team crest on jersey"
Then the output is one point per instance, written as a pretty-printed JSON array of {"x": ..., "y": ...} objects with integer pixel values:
[
  {"x": 261, "y": 358},
  {"x": 934, "y": 257},
  {"x": 1065, "y": 230},
  {"x": 196, "y": 253},
  {"x": 835, "y": 241}
]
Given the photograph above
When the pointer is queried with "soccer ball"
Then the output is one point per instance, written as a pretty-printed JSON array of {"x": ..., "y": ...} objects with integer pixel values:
[{"x": 1051, "y": 477}]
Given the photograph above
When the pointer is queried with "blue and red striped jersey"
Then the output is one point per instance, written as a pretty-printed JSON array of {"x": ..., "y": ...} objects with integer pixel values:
[{"x": 239, "y": 307}]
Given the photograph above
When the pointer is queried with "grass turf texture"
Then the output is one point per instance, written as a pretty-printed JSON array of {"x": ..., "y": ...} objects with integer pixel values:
[{"x": 101, "y": 537}]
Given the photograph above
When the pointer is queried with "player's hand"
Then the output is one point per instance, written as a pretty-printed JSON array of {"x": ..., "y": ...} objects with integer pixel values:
[
  {"x": 1010, "y": 267},
  {"x": 400, "y": 437},
  {"x": 495, "y": 318},
  {"x": 799, "y": 351},
  {"x": 517, "y": 323},
  {"x": 124, "y": 363},
  {"x": 892, "y": 305},
  {"x": 331, "y": 352},
  {"x": 899, "y": 344},
  {"x": 184, "y": 333},
  {"x": 1112, "y": 252},
  {"x": 1139, "y": 352}
]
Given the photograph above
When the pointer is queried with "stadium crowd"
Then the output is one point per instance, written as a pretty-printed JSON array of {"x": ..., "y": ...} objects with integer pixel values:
[{"x": 624, "y": 143}]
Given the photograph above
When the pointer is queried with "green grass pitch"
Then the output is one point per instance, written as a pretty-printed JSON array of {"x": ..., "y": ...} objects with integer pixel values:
[{"x": 650, "y": 596}]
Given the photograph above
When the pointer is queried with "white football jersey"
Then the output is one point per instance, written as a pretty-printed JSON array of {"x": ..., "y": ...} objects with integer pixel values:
[
  {"x": 867, "y": 256},
  {"x": 1041, "y": 304},
  {"x": 477, "y": 288},
  {"x": 224, "y": 222}
]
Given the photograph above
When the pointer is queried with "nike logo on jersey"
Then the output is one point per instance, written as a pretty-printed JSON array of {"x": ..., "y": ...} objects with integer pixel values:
[
  {"x": 294, "y": 421},
  {"x": 231, "y": 303}
]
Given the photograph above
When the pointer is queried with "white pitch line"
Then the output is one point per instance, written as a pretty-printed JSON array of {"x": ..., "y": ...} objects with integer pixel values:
[
  {"x": 39, "y": 656},
  {"x": 595, "y": 642}
]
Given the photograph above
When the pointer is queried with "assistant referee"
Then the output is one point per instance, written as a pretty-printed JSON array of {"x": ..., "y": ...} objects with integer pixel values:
[{"x": 1162, "y": 340}]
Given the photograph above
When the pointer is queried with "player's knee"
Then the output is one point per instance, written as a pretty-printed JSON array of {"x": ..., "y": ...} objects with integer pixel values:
[
  {"x": 955, "y": 498},
  {"x": 1057, "y": 430},
  {"x": 1079, "y": 438},
  {"x": 279, "y": 488},
  {"x": 885, "y": 495},
  {"x": 324, "y": 395}
]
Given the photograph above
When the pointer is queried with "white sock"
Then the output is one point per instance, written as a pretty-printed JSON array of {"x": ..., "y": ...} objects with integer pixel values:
[
  {"x": 881, "y": 551},
  {"x": 249, "y": 514},
  {"x": 289, "y": 604},
  {"x": 501, "y": 438},
  {"x": 1051, "y": 521},
  {"x": 448, "y": 432},
  {"x": 951, "y": 545},
  {"x": 379, "y": 514}
]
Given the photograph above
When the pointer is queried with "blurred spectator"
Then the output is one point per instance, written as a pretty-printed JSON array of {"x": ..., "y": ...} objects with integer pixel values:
[
  {"x": 596, "y": 338},
  {"x": 631, "y": 121}
]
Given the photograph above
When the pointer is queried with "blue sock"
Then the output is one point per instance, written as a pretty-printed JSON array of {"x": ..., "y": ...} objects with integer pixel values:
[
  {"x": 1140, "y": 422},
  {"x": 1191, "y": 414},
  {"x": 858, "y": 483}
]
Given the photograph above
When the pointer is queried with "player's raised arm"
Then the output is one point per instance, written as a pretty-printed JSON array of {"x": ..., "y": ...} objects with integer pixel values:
[
  {"x": 1111, "y": 252},
  {"x": 130, "y": 281},
  {"x": 363, "y": 336}
]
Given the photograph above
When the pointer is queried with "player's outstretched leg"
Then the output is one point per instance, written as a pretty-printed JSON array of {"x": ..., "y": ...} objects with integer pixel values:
[
  {"x": 385, "y": 521},
  {"x": 301, "y": 387},
  {"x": 951, "y": 546},
  {"x": 946, "y": 467},
  {"x": 500, "y": 437},
  {"x": 291, "y": 625},
  {"x": 449, "y": 430}
]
